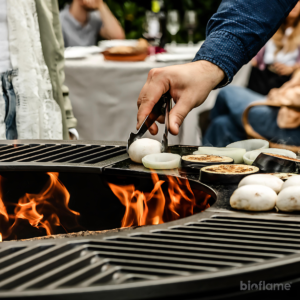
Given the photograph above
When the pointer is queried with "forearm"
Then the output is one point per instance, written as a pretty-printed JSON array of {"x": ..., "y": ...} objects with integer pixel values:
[
  {"x": 239, "y": 30},
  {"x": 111, "y": 28}
]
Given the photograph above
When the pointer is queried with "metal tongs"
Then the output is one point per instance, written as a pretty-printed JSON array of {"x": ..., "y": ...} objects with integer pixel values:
[{"x": 162, "y": 107}]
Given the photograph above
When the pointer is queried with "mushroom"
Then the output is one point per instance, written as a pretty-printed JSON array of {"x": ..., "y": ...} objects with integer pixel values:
[
  {"x": 253, "y": 198},
  {"x": 142, "y": 147},
  {"x": 292, "y": 181},
  {"x": 271, "y": 181},
  {"x": 289, "y": 199}
]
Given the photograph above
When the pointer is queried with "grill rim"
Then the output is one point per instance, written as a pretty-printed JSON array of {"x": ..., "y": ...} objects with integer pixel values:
[{"x": 195, "y": 283}]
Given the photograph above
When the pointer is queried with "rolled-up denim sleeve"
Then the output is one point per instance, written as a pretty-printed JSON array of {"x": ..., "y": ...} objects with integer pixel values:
[{"x": 239, "y": 29}]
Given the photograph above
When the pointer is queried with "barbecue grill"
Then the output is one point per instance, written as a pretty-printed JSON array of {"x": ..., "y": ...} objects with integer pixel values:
[{"x": 206, "y": 255}]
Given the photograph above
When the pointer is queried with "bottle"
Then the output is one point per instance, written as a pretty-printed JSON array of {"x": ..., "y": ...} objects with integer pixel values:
[{"x": 158, "y": 7}]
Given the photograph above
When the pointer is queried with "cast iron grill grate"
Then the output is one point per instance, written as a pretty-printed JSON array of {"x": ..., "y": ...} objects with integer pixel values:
[
  {"x": 209, "y": 245},
  {"x": 58, "y": 153}
]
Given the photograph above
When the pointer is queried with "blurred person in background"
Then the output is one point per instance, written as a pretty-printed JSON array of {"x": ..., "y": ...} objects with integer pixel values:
[
  {"x": 279, "y": 58},
  {"x": 34, "y": 103},
  {"x": 85, "y": 20}
]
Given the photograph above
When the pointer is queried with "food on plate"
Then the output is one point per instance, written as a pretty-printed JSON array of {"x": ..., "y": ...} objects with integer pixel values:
[
  {"x": 284, "y": 176},
  {"x": 250, "y": 156},
  {"x": 250, "y": 145},
  {"x": 142, "y": 147},
  {"x": 272, "y": 162},
  {"x": 253, "y": 198},
  {"x": 271, "y": 181},
  {"x": 122, "y": 50},
  {"x": 161, "y": 161},
  {"x": 289, "y": 199},
  {"x": 205, "y": 159},
  {"x": 292, "y": 181},
  {"x": 235, "y": 153},
  {"x": 227, "y": 174},
  {"x": 141, "y": 46}
]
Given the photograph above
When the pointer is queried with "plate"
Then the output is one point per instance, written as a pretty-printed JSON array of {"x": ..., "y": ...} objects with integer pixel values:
[
  {"x": 80, "y": 52},
  {"x": 114, "y": 43}
]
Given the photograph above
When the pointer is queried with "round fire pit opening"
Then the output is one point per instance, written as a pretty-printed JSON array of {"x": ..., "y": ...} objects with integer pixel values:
[{"x": 35, "y": 204}]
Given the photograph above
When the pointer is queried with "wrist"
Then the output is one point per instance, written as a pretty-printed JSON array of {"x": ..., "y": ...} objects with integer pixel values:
[{"x": 214, "y": 74}]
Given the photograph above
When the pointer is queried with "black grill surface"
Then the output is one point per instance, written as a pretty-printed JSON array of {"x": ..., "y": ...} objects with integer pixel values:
[
  {"x": 127, "y": 265},
  {"x": 61, "y": 156}
]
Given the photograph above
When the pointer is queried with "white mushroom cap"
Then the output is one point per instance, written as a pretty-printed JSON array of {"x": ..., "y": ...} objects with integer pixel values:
[
  {"x": 271, "y": 181},
  {"x": 289, "y": 199},
  {"x": 253, "y": 198},
  {"x": 142, "y": 147},
  {"x": 292, "y": 181}
]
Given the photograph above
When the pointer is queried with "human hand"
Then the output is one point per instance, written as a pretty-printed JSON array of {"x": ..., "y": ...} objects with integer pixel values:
[
  {"x": 92, "y": 4},
  {"x": 189, "y": 85},
  {"x": 282, "y": 69}
]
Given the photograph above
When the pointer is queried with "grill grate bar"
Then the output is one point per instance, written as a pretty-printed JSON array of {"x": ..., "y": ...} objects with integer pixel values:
[
  {"x": 232, "y": 252},
  {"x": 86, "y": 153},
  {"x": 253, "y": 226},
  {"x": 62, "y": 270},
  {"x": 157, "y": 257},
  {"x": 79, "y": 276},
  {"x": 11, "y": 149},
  {"x": 117, "y": 247},
  {"x": 113, "y": 153},
  {"x": 19, "y": 256},
  {"x": 28, "y": 153},
  {"x": 184, "y": 236},
  {"x": 232, "y": 235},
  {"x": 75, "y": 150},
  {"x": 35, "y": 157},
  {"x": 256, "y": 221},
  {"x": 5, "y": 253},
  {"x": 246, "y": 231},
  {"x": 17, "y": 270},
  {"x": 16, "y": 152}
]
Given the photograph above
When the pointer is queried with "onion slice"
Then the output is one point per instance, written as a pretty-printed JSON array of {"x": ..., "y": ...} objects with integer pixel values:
[
  {"x": 250, "y": 145},
  {"x": 161, "y": 161},
  {"x": 235, "y": 153}
]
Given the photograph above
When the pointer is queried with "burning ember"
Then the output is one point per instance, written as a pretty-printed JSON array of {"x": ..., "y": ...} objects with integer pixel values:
[
  {"x": 44, "y": 211},
  {"x": 178, "y": 201}
]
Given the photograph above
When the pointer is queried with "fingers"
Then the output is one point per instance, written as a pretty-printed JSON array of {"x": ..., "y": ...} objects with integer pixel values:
[
  {"x": 178, "y": 113},
  {"x": 150, "y": 94}
]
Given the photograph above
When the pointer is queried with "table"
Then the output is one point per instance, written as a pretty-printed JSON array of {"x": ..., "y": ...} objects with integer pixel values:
[{"x": 104, "y": 96}]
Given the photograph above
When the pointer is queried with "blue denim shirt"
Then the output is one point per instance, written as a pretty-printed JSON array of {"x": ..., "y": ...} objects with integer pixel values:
[{"x": 239, "y": 29}]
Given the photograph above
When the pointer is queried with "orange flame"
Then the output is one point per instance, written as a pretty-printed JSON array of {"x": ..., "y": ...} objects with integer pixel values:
[
  {"x": 158, "y": 207},
  {"x": 40, "y": 210}
]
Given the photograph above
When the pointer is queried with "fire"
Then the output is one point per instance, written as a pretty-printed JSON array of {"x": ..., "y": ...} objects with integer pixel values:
[
  {"x": 42, "y": 210},
  {"x": 157, "y": 207}
]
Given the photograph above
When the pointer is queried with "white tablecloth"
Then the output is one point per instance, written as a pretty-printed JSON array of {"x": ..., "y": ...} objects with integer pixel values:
[{"x": 104, "y": 96}]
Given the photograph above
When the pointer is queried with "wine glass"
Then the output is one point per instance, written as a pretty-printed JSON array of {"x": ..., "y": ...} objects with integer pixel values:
[
  {"x": 152, "y": 32},
  {"x": 190, "y": 21},
  {"x": 173, "y": 24}
]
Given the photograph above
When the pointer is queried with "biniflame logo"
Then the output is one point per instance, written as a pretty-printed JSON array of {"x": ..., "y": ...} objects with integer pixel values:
[{"x": 263, "y": 286}]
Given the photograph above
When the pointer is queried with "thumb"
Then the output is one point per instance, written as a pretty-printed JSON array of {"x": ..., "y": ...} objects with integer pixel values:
[{"x": 178, "y": 114}]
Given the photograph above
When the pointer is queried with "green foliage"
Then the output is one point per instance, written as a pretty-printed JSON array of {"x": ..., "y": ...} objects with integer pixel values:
[{"x": 131, "y": 15}]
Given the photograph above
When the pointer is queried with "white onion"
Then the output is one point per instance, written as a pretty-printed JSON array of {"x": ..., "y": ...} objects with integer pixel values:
[
  {"x": 249, "y": 157},
  {"x": 253, "y": 198},
  {"x": 250, "y": 145},
  {"x": 289, "y": 199},
  {"x": 292, "y": 181},
  {"x": 235, "y": 153},
  {"x": 161, "y": 161},
  {"x": 142, "y": 147},
  {"x": 271, "y": 181}
]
